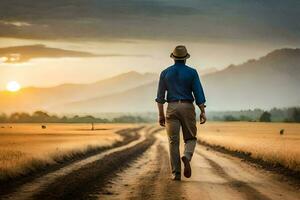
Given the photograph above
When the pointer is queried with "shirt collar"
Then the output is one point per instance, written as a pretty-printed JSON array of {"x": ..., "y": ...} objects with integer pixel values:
[{"x": 179, "y": 64}]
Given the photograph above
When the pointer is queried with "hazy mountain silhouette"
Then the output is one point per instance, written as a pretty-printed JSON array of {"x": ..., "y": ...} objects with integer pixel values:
[
  {"x": 30, "y": 99},
  {"x": 139, "y": 99},
  {"x": 271, "y": 81}
]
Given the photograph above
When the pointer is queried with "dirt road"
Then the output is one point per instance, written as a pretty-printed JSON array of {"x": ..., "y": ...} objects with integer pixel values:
[
  {"x": 215, "y": 176},
  {"x": 140, "y": 170}
]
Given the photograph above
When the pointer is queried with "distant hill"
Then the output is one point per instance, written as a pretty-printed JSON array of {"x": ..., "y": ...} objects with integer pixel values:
[
  {"x": 207, "y": 71},
  {"x": 271, "y": 81},
  {"x": 30, "y": 99},
  {"x": 139, "y": 99}
]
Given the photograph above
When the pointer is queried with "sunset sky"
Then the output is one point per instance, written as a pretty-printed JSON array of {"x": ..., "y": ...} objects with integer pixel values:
[{"x": 138, "y": 35}]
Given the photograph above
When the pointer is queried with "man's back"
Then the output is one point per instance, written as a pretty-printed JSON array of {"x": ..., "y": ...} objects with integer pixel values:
[{"x": 181, "y": 82}]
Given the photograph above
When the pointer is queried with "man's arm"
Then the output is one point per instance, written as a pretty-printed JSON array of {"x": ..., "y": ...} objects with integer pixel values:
[
  {"x": 199, "y": 97},
  {"x": 160, "y": 99}
]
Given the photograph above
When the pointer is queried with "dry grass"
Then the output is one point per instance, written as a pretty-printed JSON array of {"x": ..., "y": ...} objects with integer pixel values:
[
  {"x": 262, "y": 140},
  {"x": 27, "y": 147}
]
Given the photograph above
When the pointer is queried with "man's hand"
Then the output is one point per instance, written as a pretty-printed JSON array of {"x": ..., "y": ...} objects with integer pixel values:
[
  {"x": 202, "y": 118},
  {"x": 162, "y": 121}
]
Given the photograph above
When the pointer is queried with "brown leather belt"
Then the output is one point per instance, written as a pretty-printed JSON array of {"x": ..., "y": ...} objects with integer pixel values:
[{"x": 181, "y": 101}]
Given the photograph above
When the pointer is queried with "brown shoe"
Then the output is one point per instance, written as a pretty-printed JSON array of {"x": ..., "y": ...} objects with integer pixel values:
[{"x": 187, "y": 167}]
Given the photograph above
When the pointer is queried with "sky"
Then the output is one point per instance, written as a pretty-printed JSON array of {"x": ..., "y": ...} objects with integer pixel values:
[{"x": 137, "y": 35}]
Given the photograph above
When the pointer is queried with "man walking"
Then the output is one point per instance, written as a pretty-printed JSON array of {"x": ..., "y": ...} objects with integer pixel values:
[{"x": 183, "y": 86}]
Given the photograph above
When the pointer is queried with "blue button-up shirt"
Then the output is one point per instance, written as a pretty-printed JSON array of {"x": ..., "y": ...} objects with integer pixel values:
[{"x": 181, "y": 82}]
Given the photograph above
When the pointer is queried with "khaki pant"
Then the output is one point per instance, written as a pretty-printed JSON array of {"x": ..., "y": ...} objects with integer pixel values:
[{"x": 181, "y": 115}]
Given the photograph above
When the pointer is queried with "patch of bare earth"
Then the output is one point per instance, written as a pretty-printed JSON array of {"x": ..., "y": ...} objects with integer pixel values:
[
  {"x": 147, "y": 178},
  {"x": 221, "y": 176},
  {"x": 157, "y": 183}
]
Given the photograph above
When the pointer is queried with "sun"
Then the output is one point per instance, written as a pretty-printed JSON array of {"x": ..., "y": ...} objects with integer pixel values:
[{"x": 13, "y": 86}]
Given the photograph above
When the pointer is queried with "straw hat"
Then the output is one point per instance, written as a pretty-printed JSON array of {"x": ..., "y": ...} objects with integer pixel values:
[{"x": 180, "y": 53}]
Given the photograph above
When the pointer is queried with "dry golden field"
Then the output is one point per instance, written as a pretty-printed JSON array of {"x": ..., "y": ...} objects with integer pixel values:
[
  {"x": 262, "y": 140},
  {"x": 24, "y": 147}
]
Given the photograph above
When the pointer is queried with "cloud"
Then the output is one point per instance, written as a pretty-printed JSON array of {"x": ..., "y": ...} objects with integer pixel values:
[
  {"x": 79, "y": 9},
  {"x": 86, "y": 19},
  {"x": 20, "y": 54},
  {"x": 214, "y": 20},
  {"x": 15, "y": 23}
]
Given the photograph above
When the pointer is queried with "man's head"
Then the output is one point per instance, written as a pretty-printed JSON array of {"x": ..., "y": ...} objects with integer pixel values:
[{"x": 180, "y": 54}]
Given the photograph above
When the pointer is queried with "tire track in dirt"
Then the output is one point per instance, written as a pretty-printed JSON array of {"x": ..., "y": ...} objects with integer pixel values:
[
  {"x": 11, "y": 186},
  {"x": 147, "y": 178},
  {"x": 240, "y": 180},
  {"x": 28, "y": 190},
  {"x": 126, "y": 182},
  {"x": 157, "y": 184},
  {"x": 292, "y": 175},
  {"x": 249, "y": 192},
  {"x": 86, "y": 182}
]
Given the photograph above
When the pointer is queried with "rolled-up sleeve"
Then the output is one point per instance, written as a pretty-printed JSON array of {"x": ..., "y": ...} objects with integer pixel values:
[
  {"x": 161, "y": 91},
  {"x": 198, "y": 90}
]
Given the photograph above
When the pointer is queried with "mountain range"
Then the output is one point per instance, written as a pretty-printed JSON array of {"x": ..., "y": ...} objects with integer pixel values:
[{"x": 270, "y": 81}]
